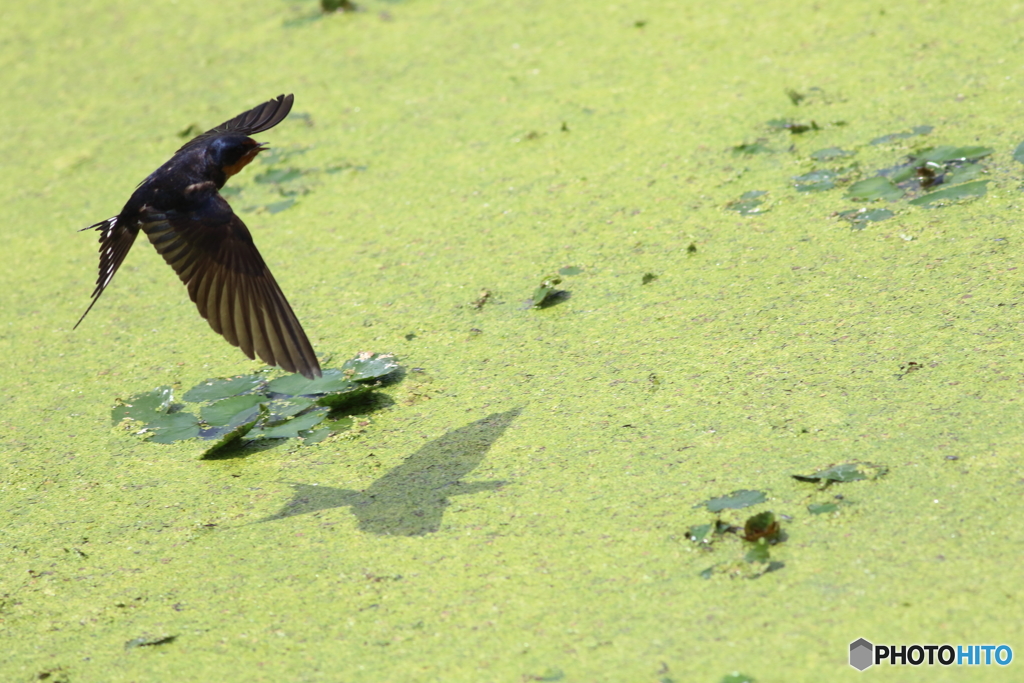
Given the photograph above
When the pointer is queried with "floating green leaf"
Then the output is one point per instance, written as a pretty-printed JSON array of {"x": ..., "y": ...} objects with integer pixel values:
[
  {"x": 545, "y": 290},
  {"x": 970, "y": 190},
  {"x": 149, "y": 641},
  {"x": 288, "y": 407},
  {"x": 569, "y": 270},
  {"x": 369, "y": 366},
  {"x": 144, "y": 406},
  {"x": 735, "y": 500},
  {"x": 221, "y": 412},
  {"x": 751, "y": 148},
  {"x": 947, "y": 153},
  {"x": 297, "y": 385},
  {"x": 278, "y": 207},
  {"x": 861, "y": 216},
  {"x": 964, "y": 174},
  {"x": 213, "y": 389},
  {"x": 340, "y": 399},
  {"x": 310, "y": 437},
  {"x": 289, "y": 429},
  {"x": 232, "y": 434},
  {"x": 172, "y": 427},
  {"x": 1018, "y": 154},
  {"x": 874, "y": 188},
  {"x": 758, "y": 552},
  {"x": 822, "y": 508},
  {"x": 830, "y": 153},
  {"x": 279, "y": 175},
  {"x": 847, "y": 472},
  {"x": 892, "y": 137},
  {"x": 737, "y": 677},
  {"x": 816, "y": 181},
  {"x": 749, "y": 203}
]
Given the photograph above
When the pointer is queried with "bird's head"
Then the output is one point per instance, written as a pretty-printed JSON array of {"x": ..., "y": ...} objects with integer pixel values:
[{"x": 230, "y": 153}]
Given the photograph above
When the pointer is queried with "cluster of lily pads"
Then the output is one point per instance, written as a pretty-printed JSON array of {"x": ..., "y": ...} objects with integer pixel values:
[
  {"x": 928, "y": 177},
  {"x": 762, "y": 531},
  {"x": 248, "y": 408}
]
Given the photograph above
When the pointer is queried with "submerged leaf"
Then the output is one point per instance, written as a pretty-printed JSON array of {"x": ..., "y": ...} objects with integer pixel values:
[
  {"x": 735, "y": 500},
  {"x": 850, "y": 471},
  {"x": 749, "y": 203}
]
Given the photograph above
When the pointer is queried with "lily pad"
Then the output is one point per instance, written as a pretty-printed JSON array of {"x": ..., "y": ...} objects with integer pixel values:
[
  {"x": 893, "y": 137},
  {"x": 213, "y": 389},
  {"x": 964, "y": 174},
  {"x": 735, "y": 500},
  {"x": 752, "y": 148},
  {"x": 144, "y": 406},
  {"x": 874, "y": 188},
  {"x": 861, "y": 216},
  {"x": 339, "y": 399},
  {"x": 822, "y": 508},
  {"x": 545, "y": 290},
  {"x": 970, "y": 190},
  {"x": 289, "y": 429},
  {"x": 1018, "y": 154},
  {"x": 830, "y": 153},
  {"x": 232, "y": 434},
  {"x": 749, "y": 203},
  {"x": 297, "y": 385},
  {"x": 367, "y": 367},
  {"x": 946, "y": 153},
  {"x": 569, "y": 270},
  {"x": 758, "y": 552},
  {"x": 283, "y": 408},
  {"x": 220, "y": 413},
  {"x": 172, "y": 427},
  {"x": 847, "y": 472},
  {"x": 816, "y": 181},
  {"x": 279, "y": 175}
]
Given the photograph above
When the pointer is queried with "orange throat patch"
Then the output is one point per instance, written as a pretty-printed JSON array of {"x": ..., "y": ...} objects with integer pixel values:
[{"x": 243, "y": 162}]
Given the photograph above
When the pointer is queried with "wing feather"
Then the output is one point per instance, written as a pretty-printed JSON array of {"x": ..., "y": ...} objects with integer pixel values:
[
  {"x": 115, "y": 241},
  {"x": 214, "y": 256},
  {"x": 258, "y": 119}
]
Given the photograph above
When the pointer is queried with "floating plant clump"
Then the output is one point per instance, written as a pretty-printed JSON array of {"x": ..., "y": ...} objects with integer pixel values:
[{"x": 247, "y": 408}]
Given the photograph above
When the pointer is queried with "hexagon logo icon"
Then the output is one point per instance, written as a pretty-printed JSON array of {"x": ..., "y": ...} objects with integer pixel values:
[{"x": 861, "y": 654}]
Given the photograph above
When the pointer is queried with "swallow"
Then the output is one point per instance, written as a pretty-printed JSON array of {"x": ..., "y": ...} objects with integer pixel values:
[{"x": 180, "y": 209}]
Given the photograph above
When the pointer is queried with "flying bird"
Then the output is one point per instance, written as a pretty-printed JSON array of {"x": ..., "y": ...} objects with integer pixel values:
[{"x": 180, "y": 209}]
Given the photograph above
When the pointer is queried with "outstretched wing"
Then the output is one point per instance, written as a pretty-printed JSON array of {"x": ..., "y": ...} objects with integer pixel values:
[
  {"x": 256, "y": 120},
  {"x": 212, "y": 252},
  {"x": 115, "y": 241}
]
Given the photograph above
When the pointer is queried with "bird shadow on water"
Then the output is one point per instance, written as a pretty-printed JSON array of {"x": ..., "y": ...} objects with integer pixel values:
[{"x": 410, "y": 500}]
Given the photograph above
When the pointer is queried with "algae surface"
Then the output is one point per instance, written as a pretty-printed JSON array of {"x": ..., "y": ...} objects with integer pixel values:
[{"x": 520, "y": 505}]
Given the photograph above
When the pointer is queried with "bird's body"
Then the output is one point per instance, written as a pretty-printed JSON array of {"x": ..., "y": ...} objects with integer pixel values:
[{"x": 180, "y": 209}]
